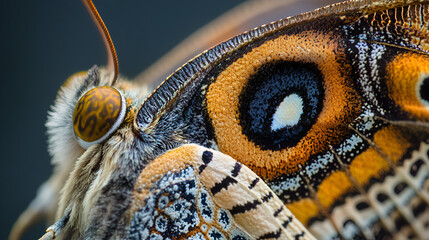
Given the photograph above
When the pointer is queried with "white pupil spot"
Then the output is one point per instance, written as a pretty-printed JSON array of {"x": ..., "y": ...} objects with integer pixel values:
[{"x": 288, "y": 112}]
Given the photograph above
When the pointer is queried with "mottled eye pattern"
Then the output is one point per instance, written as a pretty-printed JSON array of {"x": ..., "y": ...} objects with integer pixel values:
[{"x": 97, "y": 114}]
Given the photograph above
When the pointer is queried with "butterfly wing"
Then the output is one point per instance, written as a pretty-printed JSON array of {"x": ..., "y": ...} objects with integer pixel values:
[
  {"x": 329, "y": 108},
  {"x": 199, "y": 193}
]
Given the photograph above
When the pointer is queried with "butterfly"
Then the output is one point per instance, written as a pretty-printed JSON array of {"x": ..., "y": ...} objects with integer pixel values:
[{"x": 314, "y": 126}]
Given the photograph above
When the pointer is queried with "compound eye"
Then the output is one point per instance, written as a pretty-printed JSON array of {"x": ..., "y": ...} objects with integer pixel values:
[{"x": 97, "y": 114}]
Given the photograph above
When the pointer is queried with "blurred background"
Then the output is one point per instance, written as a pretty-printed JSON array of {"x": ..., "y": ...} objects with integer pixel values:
[{"x": 44, "y": 42}]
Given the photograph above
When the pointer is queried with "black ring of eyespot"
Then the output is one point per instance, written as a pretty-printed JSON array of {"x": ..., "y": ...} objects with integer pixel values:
[
  {"x": 264, "y": 92},
  {"x": 424, "y": 89}
]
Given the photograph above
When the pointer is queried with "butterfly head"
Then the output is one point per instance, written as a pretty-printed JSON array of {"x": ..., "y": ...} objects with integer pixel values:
[
  {"x": 87, "y": 110},
  {"x": 92, "y": 114},
  {"x": 90, "y": 133}
]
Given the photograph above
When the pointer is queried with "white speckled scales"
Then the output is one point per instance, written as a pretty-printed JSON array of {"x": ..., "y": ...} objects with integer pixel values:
[{"x": 192, "y": 192}]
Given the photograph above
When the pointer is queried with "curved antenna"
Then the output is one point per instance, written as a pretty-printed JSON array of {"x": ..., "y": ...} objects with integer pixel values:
[{"x": 112, "y": 58}]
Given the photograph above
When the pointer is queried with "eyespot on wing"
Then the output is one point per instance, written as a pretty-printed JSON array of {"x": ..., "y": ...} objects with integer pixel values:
[{"x": 408, "y": 81}]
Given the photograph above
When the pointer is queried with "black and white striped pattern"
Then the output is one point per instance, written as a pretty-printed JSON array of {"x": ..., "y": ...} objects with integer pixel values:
[{"x": 397, "y": 205}]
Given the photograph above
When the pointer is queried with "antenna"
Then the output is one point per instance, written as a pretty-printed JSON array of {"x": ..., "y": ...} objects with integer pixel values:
[{"x": 112, "y": 58}]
